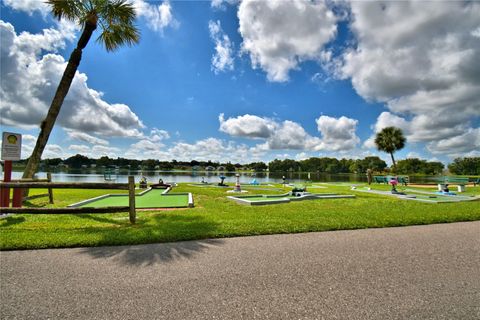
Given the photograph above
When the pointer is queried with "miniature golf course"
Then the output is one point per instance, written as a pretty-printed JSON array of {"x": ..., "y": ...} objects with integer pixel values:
[
  {"x": 422, "y": 196},
  {"x": 284, "y": 198},
  {"x": 149, "y": 199}
]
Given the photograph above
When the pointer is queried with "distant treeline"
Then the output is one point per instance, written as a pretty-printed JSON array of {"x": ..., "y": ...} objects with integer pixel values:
[
  {"x": 333, "y": 165},
  {"x": 460, "y": 166},
  {"x": 465, "y": 166},
  {"x": 80, "y": 161}
]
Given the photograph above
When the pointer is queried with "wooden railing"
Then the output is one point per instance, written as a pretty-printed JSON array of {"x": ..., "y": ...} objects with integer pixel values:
[{"x": 130, "y": 186}]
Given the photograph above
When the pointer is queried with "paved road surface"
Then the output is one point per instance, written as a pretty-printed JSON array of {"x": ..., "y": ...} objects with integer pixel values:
[{"x": 420, "y": 272}]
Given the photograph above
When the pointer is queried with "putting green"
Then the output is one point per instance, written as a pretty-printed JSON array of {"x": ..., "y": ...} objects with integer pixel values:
[{"x": 150, "y": 199}]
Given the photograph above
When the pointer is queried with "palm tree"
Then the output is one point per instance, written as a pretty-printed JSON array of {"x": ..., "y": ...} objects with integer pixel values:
[
  {"x": 116, "y": 19},
  {"x": 390, "y": 139}
]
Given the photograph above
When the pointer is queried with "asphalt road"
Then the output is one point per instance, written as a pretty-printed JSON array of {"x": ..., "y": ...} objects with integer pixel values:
[{"x": 420, "y": 272}]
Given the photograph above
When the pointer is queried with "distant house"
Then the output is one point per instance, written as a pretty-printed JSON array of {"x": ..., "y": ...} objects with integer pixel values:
[
  {"x": 209, "y": 168},
  {"x": 93, "y": 166},
  {"x": 84, "y": 166},
  {"x": 196, "y": 168},
  {"x": 221, "y": 168}
]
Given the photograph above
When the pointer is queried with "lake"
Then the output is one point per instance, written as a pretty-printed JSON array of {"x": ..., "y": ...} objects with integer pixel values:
[{"x": 212, "y": 177}]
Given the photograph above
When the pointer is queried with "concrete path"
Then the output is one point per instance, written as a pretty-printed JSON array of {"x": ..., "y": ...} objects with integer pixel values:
[{"x": 420, "y": 272}]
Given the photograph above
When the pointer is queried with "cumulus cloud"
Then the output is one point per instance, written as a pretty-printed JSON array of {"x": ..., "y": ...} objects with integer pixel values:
[
  {"x": 222, "y": 60},
  {"x": 421, "y": 60},
  {"x": 278, "y": 35},
  {"x": 53, "y": 151},
  {"x": 146, "y": 149},
  {"x": 29, "y": 80},
  {"x": 85, "y": 137},
  {"x": 466, "y": 143},
  {"x": 249, "y": 126},
  {"x": 28, "y": 6},
  {"x": 292, "y": 136},
  {"x": 216, "y": 150},
  {"x": 94, "y": 152},
  {"x": 158, "y": 135},
  {"x": 206, "y": 149},
  {"x": 337, "y": 134},
  {"x": 157, "y": 16},
  {"x": 220, "y": 4}
]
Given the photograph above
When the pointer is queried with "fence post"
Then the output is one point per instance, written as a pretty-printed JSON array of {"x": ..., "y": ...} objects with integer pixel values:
[
  {"x": 7, "y": 177},
  {"x": 131, "y": 198},
  {"x": 50, "y": 191}
]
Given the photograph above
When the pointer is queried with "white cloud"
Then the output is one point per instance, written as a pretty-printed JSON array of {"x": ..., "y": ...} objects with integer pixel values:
[
  {"x": 157, "y": 135},
  {"x": 222, "y": 60},
  {"x": 158, "y": 17},
  {"x": 28, "y": 83},
  {"x": 279, "y": 35},
  {"x": 53, "y": 151},
  {"x": 292, "y": 136},
  {"x": 146, "y": 149},
  {"x": 421, "y": 60},
  {"x": 93, "y": 152},
  {"x": 220, "y": 4},
  {"x": 249, "y": 126},
  {"x": 81, "y": 149},
  {"x": 28, "y": 143},
  {"x": 206, "y": 149},
  {"x": 85, "y": 137},
  {"x": 28, "y": 6},
  {"x": 337, "y": 134},
  {"x": 302, "y": 156},
  {"x": 458, "y": 145},
  {"x": 413, "y": 155}
]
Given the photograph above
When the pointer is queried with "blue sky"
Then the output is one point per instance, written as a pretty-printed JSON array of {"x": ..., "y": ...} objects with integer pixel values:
[{"x": 251, "y": 80}]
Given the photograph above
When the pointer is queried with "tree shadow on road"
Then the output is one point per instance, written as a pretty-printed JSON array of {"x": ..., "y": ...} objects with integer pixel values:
[
  {"x": 161, "y": 229},
  {"x": 150, "y": 254}
]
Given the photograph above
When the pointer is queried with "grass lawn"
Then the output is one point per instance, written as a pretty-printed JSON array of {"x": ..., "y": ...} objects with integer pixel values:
[{"x": 215, "y": 216}]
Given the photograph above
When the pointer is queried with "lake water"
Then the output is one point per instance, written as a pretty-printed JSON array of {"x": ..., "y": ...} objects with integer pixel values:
[{"x": 213, "y": 177}]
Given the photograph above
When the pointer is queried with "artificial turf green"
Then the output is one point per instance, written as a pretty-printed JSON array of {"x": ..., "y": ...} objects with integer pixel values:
[
  {"x": 215, "y": 216},
  {"x": 150, "y": 199}
]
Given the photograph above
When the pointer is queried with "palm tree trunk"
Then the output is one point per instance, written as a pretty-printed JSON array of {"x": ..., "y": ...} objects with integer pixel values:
[
  {"x": 62, "y": 90},
  {"x": 393, "y": 161}
]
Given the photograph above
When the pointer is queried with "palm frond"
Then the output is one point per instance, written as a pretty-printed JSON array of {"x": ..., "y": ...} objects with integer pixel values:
[
  {"x": 117, "y": 35},
  {"x": 117, "y": 21},
  {"x": 73, "y": 10}
]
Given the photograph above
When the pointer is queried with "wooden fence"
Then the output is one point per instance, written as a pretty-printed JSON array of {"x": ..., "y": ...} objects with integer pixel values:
[
  {"x": 49, "y": 194},
  {"x": 130, "y": 186}
]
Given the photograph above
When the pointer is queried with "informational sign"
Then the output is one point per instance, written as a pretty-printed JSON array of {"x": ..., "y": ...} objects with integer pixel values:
[{"x": 11, "y": 146}]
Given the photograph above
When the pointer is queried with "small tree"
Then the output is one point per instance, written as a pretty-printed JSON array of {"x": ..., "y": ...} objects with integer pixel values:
[{"x": 389, "y": 140}]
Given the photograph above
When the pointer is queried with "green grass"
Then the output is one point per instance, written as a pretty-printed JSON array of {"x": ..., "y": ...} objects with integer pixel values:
[
  {"x": 215, "y": 216},
  {"x": 150, "y": 199}
]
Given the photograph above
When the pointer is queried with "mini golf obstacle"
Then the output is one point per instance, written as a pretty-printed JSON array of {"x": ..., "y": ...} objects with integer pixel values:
[
  {"x": 258, "y": 200},
  {"x": 148, "y": 199},
  {"x": 422, "y": 196}
]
